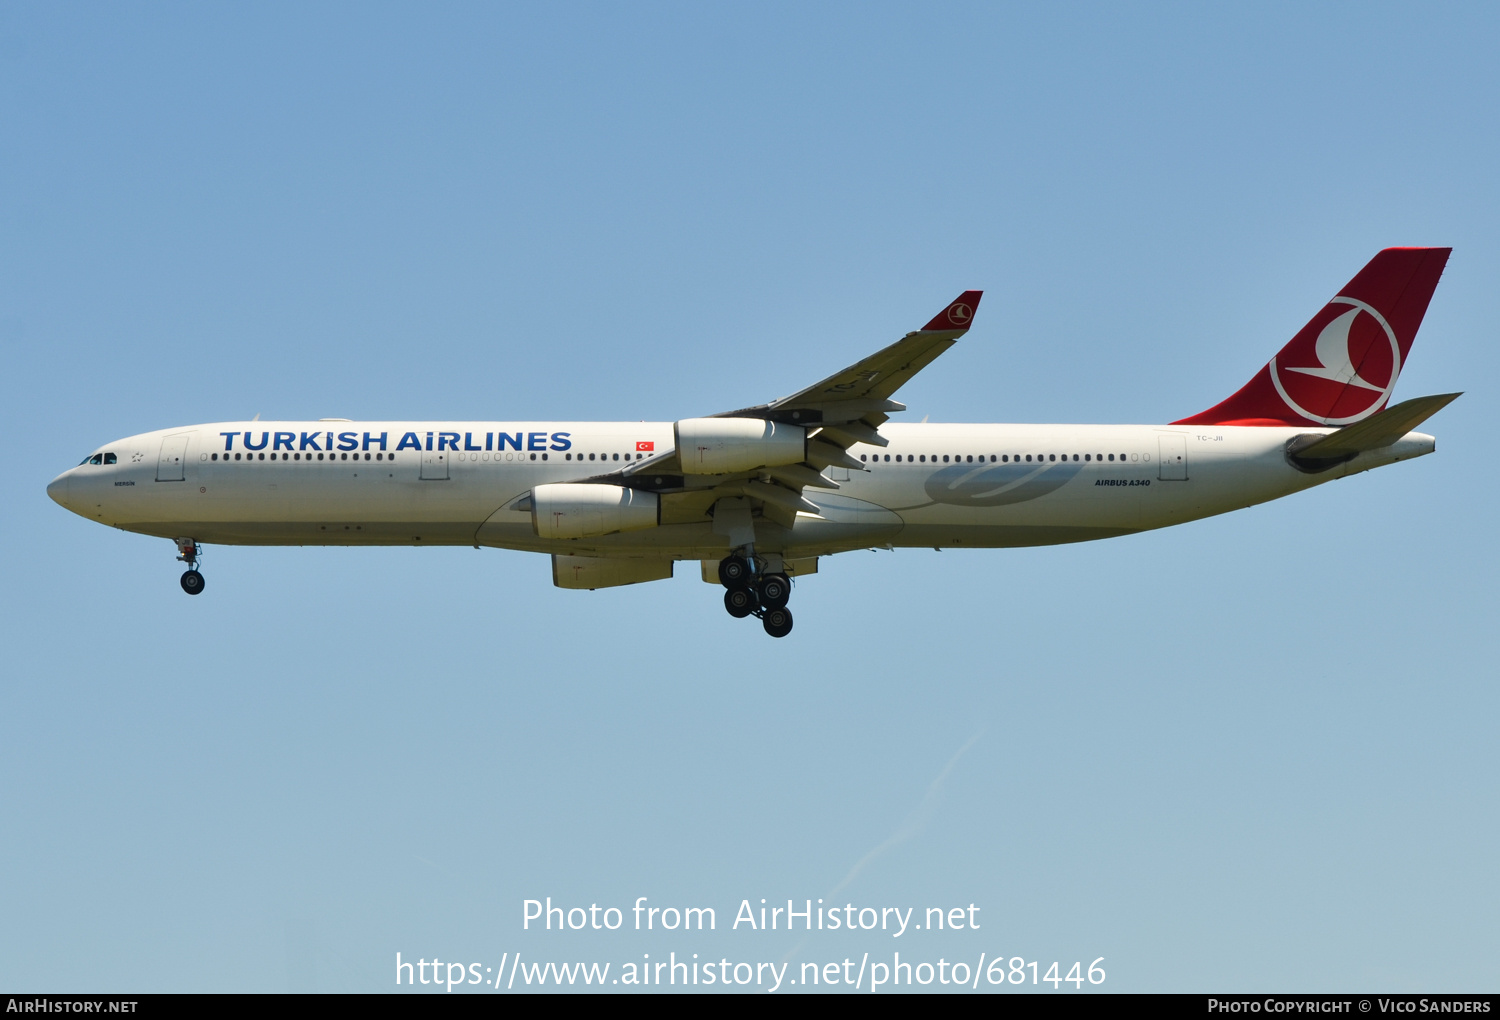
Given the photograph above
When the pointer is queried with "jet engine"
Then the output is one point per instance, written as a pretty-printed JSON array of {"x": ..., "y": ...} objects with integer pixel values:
[
  {"x": 723, "y": 446},
  {"x": 582, "y": 510}
]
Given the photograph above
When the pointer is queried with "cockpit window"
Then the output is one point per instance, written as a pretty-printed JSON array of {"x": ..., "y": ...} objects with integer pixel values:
[
  {"x": 97, "y": 458},
  {"x": 109, "y": 458}
]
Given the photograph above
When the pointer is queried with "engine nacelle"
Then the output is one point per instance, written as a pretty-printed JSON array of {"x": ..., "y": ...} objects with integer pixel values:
[
  {"x": 723, "y": 446},
  {"x": 581, "y": 510}
]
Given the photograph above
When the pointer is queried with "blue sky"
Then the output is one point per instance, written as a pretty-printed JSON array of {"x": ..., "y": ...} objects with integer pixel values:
[{"x": 1253, "y": 752}]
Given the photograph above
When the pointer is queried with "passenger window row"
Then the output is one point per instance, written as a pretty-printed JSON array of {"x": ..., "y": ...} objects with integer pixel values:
[
  {"x": 1003, "y": 458},
  {"x": 298, "y": 456},
  {"x": 484, "y": 456},
  {"x": 109, "y": 458},
  {"x": 566, "y": 456}
]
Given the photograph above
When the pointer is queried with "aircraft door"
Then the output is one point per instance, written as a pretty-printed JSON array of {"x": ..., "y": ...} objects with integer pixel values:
[
  {"x": 1173, "y": 448},
  {"x": 170, "y": 464},
  {"x": 435, "y": 465}
]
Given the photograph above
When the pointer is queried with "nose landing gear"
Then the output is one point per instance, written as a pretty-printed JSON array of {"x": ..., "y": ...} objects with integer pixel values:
[
  {"x": 187, "y": 552},
  {"x": 751, "y": 593}
]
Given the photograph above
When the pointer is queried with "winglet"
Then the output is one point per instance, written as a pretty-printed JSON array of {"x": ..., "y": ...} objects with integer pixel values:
[{"x": 958, "y": 315}]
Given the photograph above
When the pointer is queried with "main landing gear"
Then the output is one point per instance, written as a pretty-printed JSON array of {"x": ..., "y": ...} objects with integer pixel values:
[
  {"x": 750, "y": 593},
  {"x": 187, "y": 552}
]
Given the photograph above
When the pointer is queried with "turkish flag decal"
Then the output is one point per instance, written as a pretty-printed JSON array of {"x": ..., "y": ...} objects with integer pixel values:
[{"x": 641, "y": 447}]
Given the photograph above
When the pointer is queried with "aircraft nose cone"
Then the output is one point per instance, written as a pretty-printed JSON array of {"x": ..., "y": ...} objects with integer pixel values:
[{"x": 58, "y": 490}]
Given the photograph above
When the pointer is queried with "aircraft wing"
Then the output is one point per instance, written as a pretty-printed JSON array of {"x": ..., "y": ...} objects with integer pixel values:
[
  {"x": 862, "y": 391},
  {"x": 844, "y": 409},
  {"x": 849, "y": 405}
]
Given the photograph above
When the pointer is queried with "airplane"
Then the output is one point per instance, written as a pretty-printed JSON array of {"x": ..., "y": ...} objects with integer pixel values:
[{"x": 758, "y": 495}]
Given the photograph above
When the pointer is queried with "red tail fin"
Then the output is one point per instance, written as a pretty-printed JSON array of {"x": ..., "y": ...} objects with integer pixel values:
[
  {"x": 1343, "y": 365},
  {"x": 958, "y": 315}
]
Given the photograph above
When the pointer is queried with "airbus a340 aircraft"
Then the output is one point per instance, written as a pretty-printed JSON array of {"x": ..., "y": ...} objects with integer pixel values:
[{"x": 759, "y": 494}]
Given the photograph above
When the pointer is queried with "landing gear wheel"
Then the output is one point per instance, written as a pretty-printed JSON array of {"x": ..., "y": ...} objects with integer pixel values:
[
  {"x": 734, "y": 572},
  {"x": 774, "y": 589},
  {"x": 778, "y": 622},
  {"x": 740, "y": 602},
  {"x": 192, "y": 582}
]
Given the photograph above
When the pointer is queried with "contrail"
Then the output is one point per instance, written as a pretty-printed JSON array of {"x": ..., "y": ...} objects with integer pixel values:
[
  {"x": 915, "y": 821},
  {"x": 906, "y": 830}
]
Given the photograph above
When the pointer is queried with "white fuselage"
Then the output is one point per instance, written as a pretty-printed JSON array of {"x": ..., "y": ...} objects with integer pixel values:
[{"x": 456, "y": 483}]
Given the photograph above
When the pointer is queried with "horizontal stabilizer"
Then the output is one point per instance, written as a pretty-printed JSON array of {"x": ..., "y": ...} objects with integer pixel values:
[{"x": 1375, "y": 432}]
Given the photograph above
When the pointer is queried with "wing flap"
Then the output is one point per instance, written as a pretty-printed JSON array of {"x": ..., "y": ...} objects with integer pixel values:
[{"x": 847, "y": 433}]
